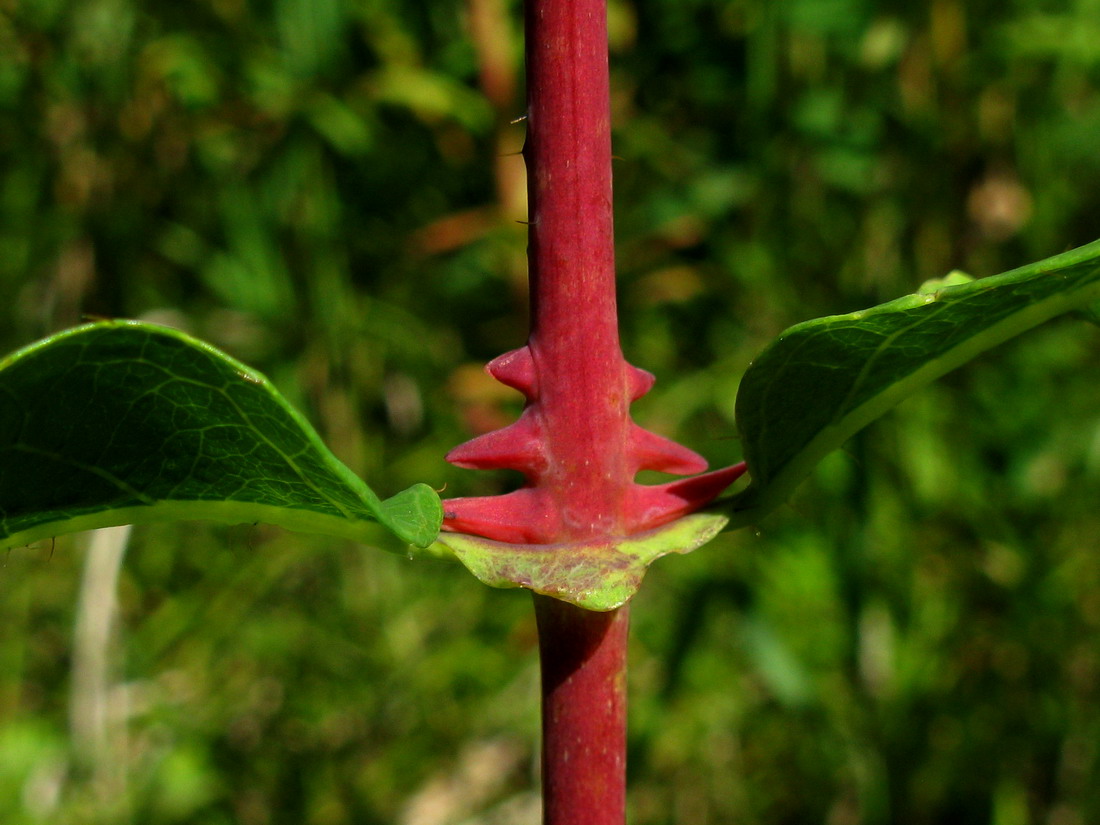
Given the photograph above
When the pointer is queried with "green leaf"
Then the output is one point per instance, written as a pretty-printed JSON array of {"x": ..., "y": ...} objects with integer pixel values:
[
  {"x": 597, "y": 575},
  {"x": 1090, "y": 313},
  {"x": 823, "y": 380},
  {"x": 125, "y": 422}
]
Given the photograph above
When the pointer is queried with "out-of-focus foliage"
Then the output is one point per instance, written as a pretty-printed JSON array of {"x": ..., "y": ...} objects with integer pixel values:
[{"x": 327, "y": 190}]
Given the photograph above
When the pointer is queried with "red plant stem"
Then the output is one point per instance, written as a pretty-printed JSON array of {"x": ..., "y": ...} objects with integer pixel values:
[
  {"x": 575, "y": 441},
  {"x": 583, "y": 394},
  {"x": 583, "y": 713},
  {"x": 574, "y": 342}
]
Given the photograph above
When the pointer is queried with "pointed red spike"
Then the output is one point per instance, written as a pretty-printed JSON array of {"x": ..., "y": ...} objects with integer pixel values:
[
  {"x": 640, "y": 381},
  {"x": 519, "y": 446},
  {"x": 520, "y": 517},
  {"x": 532, "y": 515},
  {"x": 655, "y": 452},
  {"x": 652, "y": 506},
  {"x": 515, "y": 369}
]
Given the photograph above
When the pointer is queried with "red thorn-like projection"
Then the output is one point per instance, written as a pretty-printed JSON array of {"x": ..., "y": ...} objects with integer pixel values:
[
  {"x": 515, "y": 447},
  {"x": 575, "y": 443},
  {"x": 515, "y": 369},
  {"x": 539, "y": 513}
]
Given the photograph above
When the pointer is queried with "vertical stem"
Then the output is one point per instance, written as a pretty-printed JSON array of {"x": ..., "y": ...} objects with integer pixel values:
[
  {"x": 574, "y": 342},
  {"x": 575, "y": 442},
  {"x": 583, "y": 713},
  {"x": 583, "y": 397}
]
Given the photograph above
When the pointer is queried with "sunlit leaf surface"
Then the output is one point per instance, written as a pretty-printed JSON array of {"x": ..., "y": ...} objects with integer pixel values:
[
  {"x": 126, "y": 422},
  {"x": 823, "y": 380}
]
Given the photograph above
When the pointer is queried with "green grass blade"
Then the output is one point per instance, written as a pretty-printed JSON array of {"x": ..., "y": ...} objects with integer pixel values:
[
  {"x": 125, "y": 422},
  {"x": 823, "y": 380}
]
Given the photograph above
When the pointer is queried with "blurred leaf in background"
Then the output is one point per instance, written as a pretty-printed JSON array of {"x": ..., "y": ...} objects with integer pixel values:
[{"x": 327, "y": 189}]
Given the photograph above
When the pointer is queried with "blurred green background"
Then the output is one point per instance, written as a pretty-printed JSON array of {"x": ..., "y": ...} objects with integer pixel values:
[{"x": 328, "y": 189}]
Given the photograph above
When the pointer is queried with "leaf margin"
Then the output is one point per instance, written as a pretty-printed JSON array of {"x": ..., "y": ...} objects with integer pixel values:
[
  {"x": 762, "y": 497},
  {"x": 398, "y": 513}
]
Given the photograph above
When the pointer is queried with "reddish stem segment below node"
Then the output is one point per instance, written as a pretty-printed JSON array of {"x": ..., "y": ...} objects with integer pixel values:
[
  {"x": 583, "y": 713},
  {"x": 575, "y": 443}
]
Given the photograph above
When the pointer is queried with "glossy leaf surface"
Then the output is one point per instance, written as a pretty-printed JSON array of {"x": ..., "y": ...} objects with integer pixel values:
[
  {"x": 823, "y": 380},
  {"x": 125, "y": 422}
]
